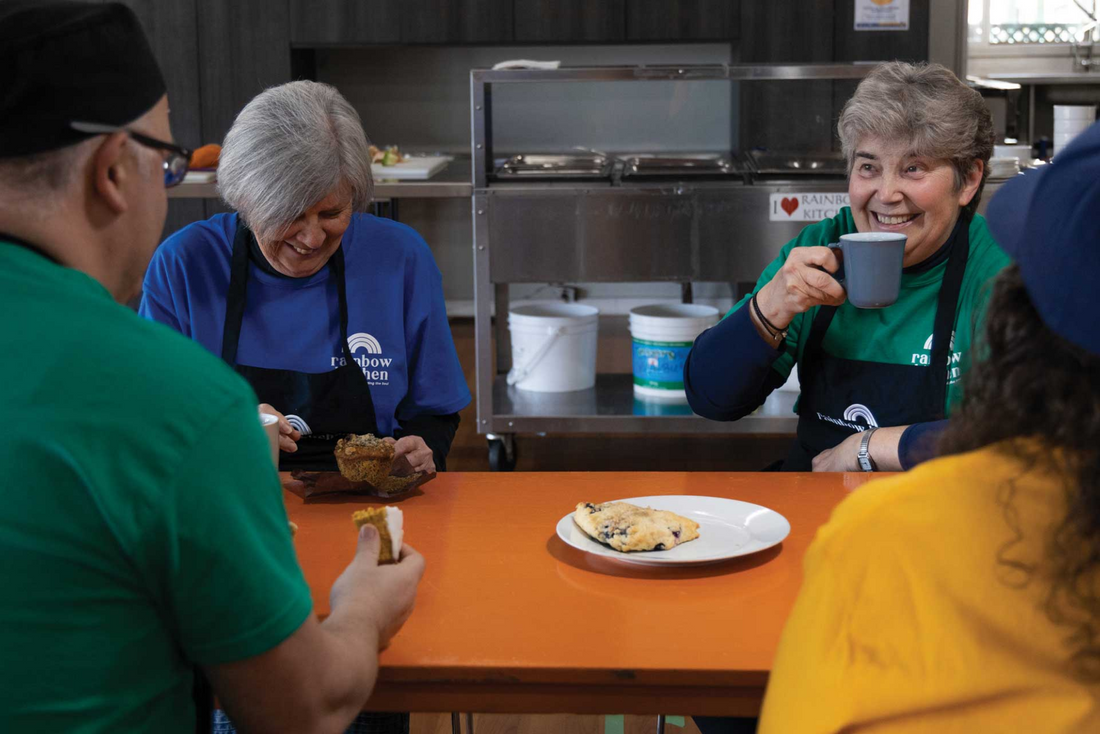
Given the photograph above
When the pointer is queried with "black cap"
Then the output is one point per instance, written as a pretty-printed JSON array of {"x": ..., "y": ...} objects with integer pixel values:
[
  {"x": 63, "y": 62},
  {"x": 1048, "y": 220}
]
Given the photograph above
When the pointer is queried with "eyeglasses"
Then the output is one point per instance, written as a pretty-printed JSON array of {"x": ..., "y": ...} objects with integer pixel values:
[{"x": 175, "y": 165}]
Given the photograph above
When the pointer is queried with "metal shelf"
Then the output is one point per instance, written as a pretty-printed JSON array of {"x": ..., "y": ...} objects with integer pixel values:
[
  {"x": 729, "y": 72},
  {"x": 1080, "y": 77},
  {"x": 610, "y": 407},
  {"x": 453, "y": 182}
]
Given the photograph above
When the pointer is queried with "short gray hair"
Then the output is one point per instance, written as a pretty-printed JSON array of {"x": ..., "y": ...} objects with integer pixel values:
[
  {"x": 288, "y": 149},
  {"x": 926, "y": 105}
]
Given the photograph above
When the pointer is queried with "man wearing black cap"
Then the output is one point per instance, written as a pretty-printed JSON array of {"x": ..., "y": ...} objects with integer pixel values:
[
  {"x": 143, "y": 532},
  {"x": 962, "y": 596}
]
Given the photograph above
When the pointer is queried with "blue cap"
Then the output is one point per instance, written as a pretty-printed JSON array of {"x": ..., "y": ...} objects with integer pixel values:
[{"x": 1048, "y": 220}]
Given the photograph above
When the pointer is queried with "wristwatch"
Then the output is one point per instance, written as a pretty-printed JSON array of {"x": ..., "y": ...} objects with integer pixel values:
[{"x": 866, "y": 463}]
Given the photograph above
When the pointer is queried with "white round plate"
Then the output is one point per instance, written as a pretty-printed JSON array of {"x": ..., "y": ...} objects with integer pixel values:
[{"x": 727, "y": 529}]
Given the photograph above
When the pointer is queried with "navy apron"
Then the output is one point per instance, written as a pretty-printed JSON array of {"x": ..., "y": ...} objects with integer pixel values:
[
  {"x": 329, "y": 404},
  {"x": 845, "y": 396}
]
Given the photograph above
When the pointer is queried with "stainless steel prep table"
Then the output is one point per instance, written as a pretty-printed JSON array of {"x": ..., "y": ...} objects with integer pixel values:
[{"x": 612, "y": 231}]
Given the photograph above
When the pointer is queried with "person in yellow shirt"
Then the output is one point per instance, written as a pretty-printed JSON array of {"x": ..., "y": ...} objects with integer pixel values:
[{"x": 964, "y": 596}]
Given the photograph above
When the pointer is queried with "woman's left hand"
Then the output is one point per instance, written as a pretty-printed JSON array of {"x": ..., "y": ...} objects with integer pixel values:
[
  {"x": 842, "y": 457},
  {"x": 883, "y": 448},
  {"x": 413, "y": 453}
]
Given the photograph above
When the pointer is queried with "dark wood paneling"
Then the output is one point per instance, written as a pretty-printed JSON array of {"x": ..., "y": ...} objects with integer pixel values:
[
  {"x": 853, "y": 45},
  {"x": 570, "y": 21},
  {"x": 787, "y": 115},
  {"x": 842, "y": 92},
  {"x": 171, "y": 26},
  {"x": 787, "y": 31},
  {"x": 344, "y": 21},
  {"x": 182, "y": 212},
  {"x": 457, "y": 21},
  {"x": 244, "y": 46},
  {"x": 682, "y": 20}
]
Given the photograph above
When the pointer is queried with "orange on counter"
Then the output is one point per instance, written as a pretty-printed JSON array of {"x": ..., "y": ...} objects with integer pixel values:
[{"x": 206, "y": 156}]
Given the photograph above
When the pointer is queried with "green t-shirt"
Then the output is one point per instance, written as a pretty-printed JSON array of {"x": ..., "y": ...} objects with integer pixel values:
[
  {"x": 900, "y": 333},
  {"x": 143, "y": 529}
]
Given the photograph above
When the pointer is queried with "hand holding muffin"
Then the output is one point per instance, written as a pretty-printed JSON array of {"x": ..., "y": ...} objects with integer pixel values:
[{"x": 411, "y": 455}]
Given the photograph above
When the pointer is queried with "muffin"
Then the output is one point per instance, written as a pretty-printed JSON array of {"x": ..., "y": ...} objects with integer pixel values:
[
  {"x": 397, "y": 485},
  {"x": 364, "y": 458},
  {"x": 390, "y": 522}
]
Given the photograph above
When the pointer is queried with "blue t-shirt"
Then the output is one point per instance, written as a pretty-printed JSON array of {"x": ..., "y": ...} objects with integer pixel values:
[{"x": 397, "y": 324}]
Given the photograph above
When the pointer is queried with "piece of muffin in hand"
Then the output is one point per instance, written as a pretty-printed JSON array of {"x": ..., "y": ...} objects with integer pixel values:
[
  {"x": 390, "y": 524},
  {"x": 364, "y": 458},
  {"x": 626, "y": 527}
]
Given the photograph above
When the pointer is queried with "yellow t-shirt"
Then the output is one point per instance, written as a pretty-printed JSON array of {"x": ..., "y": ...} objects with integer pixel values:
[{"x": 909, "y": 620}]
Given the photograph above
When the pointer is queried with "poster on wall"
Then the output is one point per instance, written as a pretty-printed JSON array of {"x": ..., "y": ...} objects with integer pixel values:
[{"x": 882, "y": 15}]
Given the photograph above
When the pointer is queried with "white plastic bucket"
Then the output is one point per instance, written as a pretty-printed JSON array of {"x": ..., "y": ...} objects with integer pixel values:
[
  {"x": 662, "y": 335},
  {"x": 553, "y": 346},
  {"x": 1069, "y": 122}
]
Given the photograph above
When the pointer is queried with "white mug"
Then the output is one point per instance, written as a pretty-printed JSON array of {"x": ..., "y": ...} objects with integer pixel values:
[{"x": 271, "y": 428}]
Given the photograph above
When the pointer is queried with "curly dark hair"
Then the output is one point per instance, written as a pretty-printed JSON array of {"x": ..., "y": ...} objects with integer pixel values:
[{"x": 1027, "y": 382}]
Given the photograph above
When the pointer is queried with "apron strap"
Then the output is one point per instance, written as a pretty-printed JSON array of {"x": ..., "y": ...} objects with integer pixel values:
[
  {"x": 235, "y": 296},
  {"x": 946, "y": 305},
  {"x": 818, "y": 327},
  {"x": 336, "y": 262}
]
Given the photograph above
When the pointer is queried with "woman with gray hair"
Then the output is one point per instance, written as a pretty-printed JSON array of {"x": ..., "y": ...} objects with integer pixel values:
[
  {"x": 334, "y": 316},
  {"x": 917, "y": 142}
]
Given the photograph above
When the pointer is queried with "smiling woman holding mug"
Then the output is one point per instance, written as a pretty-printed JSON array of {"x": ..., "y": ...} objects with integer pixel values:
[{"x": 917, "y": 141}]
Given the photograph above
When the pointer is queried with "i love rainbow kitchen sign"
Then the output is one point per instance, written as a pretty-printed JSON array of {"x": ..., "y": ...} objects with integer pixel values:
[{"x": 807, "y": 207}]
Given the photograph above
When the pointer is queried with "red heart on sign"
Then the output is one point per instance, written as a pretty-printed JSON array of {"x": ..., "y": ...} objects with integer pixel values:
[{"x": 789, "y": 204}]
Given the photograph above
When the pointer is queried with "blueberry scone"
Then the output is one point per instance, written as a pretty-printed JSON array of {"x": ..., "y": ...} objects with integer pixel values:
[{"x": 627, "y": 527}]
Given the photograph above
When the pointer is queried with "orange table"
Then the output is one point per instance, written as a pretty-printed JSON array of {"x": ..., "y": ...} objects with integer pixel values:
[{"x": 511, "y": 619}]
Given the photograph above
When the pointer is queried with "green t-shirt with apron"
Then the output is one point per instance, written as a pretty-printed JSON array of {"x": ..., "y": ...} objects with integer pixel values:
[
  {"x": 143, "y": 529},
  {"x": 901, "y": 333}
]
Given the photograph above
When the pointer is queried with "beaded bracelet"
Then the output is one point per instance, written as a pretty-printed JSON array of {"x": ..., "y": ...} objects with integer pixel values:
[{"x": 774, "y": 332}]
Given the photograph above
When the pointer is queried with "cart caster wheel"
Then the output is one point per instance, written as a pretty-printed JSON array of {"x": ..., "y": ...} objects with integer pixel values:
[{"x": 500, "y": 458}]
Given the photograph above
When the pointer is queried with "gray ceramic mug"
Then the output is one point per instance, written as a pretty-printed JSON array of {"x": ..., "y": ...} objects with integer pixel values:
[{"x": 871, "y": 267}]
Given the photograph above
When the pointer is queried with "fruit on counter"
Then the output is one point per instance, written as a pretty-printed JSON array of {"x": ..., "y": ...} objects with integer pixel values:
[
  {"x": 390, "y": 156},
  {"x": 206, "y": 156}
]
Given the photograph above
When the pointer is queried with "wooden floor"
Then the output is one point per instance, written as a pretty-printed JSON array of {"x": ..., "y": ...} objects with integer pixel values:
[
  {"x": 586, "y": 452},
  {"x": 548, "y": 724}
]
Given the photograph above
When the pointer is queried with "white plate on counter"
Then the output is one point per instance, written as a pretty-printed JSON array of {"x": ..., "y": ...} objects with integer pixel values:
[
  {"x": 727, "y": 529},
  {"x": 419, "y": 168}
]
